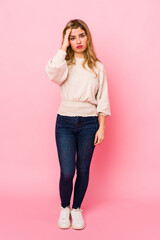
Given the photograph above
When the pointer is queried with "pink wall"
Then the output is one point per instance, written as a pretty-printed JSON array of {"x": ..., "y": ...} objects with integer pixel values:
[{"x": 126, "y": 38}]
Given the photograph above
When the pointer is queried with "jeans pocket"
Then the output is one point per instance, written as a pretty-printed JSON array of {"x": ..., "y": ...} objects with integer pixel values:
[
  {"x": 63, "y": 121},
  {"x": 97, "y": 123},
  {"x": 61, "y": 118}
]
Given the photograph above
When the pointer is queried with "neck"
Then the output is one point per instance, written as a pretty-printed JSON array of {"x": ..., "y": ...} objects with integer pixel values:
[{"x": 78, "y": 55}]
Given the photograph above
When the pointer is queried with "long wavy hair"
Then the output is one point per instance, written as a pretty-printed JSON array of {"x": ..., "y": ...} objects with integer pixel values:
[{"x": 89, "y": 53}]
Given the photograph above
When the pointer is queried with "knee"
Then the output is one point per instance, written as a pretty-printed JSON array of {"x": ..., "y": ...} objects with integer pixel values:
[
  {"x": 67, "y": 176},
  {"x": 83, "y": 171}
]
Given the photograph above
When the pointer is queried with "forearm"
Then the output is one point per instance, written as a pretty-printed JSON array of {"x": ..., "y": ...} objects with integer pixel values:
[{"x": 102, "y": 120}]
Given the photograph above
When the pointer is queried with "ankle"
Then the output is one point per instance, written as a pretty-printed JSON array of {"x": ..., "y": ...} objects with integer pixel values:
[{"x": 75, "y": 207}]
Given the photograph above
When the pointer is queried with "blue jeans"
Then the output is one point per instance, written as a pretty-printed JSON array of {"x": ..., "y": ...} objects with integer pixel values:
[{"x": 75, "y": 146}]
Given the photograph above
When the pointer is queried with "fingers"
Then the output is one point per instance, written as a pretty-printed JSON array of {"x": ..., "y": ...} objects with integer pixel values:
[
  {"x": 97, "y": 140},
  {"x": 68, "y": 31},
  {"x": 66, "y": 42}
]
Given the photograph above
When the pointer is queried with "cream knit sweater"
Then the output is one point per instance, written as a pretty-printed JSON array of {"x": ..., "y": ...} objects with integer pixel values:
[{"x": 82, "y": 93}]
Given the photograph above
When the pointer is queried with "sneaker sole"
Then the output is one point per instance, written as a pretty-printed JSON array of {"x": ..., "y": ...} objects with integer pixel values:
[
  {"x": 62, "y": 227},
  {"x": 77, "y": 227}
]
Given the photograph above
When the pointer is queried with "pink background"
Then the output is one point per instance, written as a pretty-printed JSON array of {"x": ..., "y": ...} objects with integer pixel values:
[{"x": 123, "y": 195}]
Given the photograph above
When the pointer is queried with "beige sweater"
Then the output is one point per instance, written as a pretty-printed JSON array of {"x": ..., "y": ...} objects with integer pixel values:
[{"x": 82, "y": 94}]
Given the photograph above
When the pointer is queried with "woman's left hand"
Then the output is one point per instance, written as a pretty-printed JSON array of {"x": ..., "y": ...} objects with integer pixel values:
[{"x": 99, "y": 136}]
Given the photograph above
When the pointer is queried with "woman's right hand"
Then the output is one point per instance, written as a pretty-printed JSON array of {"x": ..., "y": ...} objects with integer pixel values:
[{"x": 66, "y": 42}]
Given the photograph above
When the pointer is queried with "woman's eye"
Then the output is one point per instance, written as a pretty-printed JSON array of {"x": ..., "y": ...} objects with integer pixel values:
[{"x": 74, "y": 38}]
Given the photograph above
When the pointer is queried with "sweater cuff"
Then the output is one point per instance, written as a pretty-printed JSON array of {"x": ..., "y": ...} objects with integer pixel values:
[{"x": 59, "y": 57}]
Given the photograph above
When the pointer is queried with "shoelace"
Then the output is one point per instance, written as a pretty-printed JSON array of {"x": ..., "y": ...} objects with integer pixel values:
[
  {"x": 64, "y": 212},
  {"x": 78, "y": 209},
  {"x": 77, "y": 214}
]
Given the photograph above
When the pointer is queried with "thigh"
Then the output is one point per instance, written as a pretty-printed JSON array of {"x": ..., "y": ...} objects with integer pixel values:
[
  {"x": 66, "y": 145},
  {"x": 85, "y": 142}
]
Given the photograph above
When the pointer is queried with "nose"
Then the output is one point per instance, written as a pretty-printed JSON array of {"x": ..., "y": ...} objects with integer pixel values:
[{"x": 78, "y": 41}]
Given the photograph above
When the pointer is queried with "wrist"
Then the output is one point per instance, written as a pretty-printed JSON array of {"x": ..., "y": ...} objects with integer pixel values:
[
  {"x": 64, "y": 48},
  {"x": 102, "y": 126}
]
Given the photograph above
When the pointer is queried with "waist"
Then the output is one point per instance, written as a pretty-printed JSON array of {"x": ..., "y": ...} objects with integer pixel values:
[{"x": 77, "y": 108}]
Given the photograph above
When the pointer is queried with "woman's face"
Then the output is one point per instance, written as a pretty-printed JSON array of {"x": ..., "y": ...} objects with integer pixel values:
[{"x": 78, "y": 38}]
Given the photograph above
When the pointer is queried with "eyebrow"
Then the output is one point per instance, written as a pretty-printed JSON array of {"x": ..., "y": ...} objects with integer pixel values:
[{"x": 78, "y": 34}]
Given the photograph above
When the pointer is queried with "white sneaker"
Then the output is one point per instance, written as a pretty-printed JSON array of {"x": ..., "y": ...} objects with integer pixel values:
[
  {"x": 64, "y": 219},
  {"x": 77, "y": 218}
]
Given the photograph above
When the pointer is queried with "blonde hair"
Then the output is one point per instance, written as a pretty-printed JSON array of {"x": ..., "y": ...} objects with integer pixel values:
[{"x": 89, "y": 53}]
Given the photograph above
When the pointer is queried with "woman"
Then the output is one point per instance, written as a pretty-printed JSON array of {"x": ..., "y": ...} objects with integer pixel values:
[{"x": 80, "y": 122}]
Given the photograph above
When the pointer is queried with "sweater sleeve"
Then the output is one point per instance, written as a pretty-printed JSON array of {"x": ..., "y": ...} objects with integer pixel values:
[
  {"x": 103, "y": 103},
  {"x": 56, "y": 68}
]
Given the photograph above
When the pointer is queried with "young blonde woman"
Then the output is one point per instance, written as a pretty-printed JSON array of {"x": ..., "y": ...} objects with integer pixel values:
[{"x": 80, "y": 122}]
